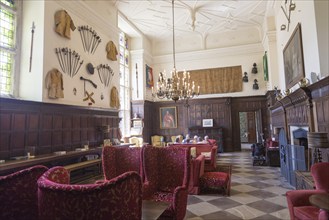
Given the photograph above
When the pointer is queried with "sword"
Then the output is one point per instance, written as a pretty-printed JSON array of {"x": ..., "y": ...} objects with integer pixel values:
[
  {"x": 137, "y": 79},
  {"x": 32, "y": 32}
]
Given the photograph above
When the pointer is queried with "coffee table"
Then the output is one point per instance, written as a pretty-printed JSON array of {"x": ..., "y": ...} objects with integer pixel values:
[{"x": 153, "y": 209}]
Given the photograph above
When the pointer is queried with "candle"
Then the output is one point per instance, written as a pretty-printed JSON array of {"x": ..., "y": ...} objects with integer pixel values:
[{"x": 198, "y": 89}]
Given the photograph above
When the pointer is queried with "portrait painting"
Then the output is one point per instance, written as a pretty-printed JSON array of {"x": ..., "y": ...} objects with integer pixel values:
[
  {"x": 293, "y": 59},
  {"x": 149, "y": 77},
  {"x": 168, "y": 117}
]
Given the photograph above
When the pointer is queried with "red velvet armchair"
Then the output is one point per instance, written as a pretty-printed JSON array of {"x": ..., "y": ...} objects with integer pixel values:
[
  {"x": 118, "y": 160},
  {"x": 166, "y": 173},
  {"x": 196, "y": 171},
  {"x": 18, "y": 193},
  {"x": 299, "y": 205},
  {"x": 208, "y": 150},
  {"x": 119, "y": 198}
]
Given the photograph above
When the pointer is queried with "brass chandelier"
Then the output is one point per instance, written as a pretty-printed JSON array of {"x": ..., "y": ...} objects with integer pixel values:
[{"x": 179, "y": 86}]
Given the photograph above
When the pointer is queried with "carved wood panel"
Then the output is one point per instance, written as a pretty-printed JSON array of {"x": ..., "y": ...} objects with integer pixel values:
[{"x": 50, "y": 127}]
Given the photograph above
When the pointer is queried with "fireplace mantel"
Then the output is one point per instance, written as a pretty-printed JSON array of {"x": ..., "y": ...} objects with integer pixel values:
[{"x": 305, "y": 107}]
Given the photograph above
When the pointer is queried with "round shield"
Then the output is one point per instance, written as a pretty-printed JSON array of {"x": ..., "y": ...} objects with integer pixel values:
[{"x": 90, "y": 68}]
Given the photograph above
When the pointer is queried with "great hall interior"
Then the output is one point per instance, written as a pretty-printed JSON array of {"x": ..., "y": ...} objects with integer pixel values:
[{"x": 99, "y": 120}]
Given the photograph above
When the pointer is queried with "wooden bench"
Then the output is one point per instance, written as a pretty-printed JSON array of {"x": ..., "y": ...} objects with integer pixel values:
[{"x": 84, "y": 164}]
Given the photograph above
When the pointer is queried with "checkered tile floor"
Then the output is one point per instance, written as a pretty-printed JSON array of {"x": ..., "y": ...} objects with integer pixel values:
[{"x": 257, "y": 192}]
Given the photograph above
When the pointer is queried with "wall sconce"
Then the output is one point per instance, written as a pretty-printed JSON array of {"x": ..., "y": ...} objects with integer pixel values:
[
  {"x": 283, "y": 27},
  {"x": 255, "y": 85},
  {"x": 245, "y": 78},
  {"x": 287, "y": 12},
  {"x": 254, "y": 69}
]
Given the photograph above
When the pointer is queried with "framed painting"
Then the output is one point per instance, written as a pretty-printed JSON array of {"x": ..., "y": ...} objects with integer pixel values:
[
  {"x": 293, "y": 58},
  {"x": 149, "y": 77},
  {"x": 207, "y": 123},
  {"x": 168, "y": 117}
]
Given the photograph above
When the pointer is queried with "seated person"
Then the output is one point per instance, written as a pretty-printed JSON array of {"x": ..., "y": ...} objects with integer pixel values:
[
  {"x": 196, "y": 139},
  {"x": 187, "y": 139},
  {"x": 177, "y": 140},
  {"x": 206, "y": 140}
]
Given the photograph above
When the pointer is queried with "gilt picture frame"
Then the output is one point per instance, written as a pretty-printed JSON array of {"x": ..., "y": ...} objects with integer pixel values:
[
  {"x": 168, "y": 117},
  {"x": 294, "y": 59}
]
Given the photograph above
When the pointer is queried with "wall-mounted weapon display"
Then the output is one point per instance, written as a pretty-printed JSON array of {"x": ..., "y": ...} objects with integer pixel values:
[
  {"x": 90, "y": 39},
  {"x": 69, "y": 61},
  {"x": 105, "y": 73}
]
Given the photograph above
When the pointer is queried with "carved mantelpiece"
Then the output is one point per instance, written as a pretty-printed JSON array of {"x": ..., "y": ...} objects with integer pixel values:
[{"x": 296, "y": 109}]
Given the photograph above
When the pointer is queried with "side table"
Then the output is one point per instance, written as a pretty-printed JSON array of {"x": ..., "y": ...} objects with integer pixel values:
[{"x": 320, "y": 200}]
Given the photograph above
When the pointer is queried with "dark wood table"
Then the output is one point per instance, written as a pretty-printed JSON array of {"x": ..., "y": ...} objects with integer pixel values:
[
  {"x": 13, "y": 165},
  {"x": 320, "y": 200},
  {"x": 153, "y": 209}
]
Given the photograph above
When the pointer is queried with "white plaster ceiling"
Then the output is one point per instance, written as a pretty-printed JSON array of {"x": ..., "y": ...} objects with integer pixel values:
[{"x": 192, "y": 17}]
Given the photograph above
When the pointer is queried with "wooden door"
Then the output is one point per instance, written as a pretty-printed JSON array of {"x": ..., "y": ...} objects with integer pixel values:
[{"x": 251, "y": 127}]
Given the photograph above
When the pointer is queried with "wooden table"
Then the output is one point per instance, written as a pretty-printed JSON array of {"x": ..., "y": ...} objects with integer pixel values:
[
  {"x": 320, "y": 200},
  {"x": 13, "y": 165},
  {"x": 153, "y": 209}
]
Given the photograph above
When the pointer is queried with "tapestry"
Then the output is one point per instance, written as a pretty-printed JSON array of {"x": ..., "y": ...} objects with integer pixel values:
[{"x": 218, "y": 80}]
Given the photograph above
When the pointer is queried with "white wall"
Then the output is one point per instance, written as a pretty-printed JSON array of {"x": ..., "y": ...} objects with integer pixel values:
[
  {"x": 90, "y": 13},
  {"x": 30, "y": 83},
  {"x": 225, "y": 57},
  {"x": 304, "y": 14}
]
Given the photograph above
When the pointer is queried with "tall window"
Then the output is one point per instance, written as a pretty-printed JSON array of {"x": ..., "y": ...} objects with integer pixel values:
[
  {"x": 124, "y": 86},
  {"x": 8, "y": 30}
]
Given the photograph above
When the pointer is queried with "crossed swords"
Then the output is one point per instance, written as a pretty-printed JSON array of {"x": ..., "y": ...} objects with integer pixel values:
[
  {"x": 69, "y": 61},
  {"x": 90, "y": 39}
]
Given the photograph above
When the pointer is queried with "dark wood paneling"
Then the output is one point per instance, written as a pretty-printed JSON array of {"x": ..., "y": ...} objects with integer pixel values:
[
  {"x": 308, "y": 106},
  {"x": 50, "y": 127}
]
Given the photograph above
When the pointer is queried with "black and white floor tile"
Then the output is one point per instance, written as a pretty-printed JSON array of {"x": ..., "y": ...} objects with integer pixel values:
[{"x": 257, "y": 192}]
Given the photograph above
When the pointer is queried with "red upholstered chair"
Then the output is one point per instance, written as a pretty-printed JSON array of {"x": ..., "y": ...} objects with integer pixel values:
[
  {"x": 18, "y": 194},
  {"x": 208, "y": 150},
  {"x": 166, "y": 173},
  {"x": 219, "y": 180},
  {"x": 118, "y": 160},
  {"x": 118, "y": 198},
  {"x": 196, "y": 171},
  {"x": 299, "y": 205}
]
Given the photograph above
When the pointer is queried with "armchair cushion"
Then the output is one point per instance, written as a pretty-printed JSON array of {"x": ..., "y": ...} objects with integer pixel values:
[
  {"x": 118, "y": 160},
  {"x": 118, "y": 198},
  {"x": 298, "y": 200},
  {"x": 166, "y": 173},
  {"x": 306, "y": 212}
]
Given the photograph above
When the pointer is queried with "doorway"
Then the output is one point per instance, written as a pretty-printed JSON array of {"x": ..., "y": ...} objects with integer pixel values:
[{"x": 247, "y": 127}]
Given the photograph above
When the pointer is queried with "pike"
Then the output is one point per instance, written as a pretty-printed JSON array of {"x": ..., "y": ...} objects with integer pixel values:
[
  {"x": 56, "y": 49},
  {"x": 70, "y": 58},
  {"x": 79, "y": 67},
  {"x": 88, "y": 35},
  {"x": 83, "y": 43},
  {"x": 99, "y": 74},
  {"x": 93, "y": 41},
  {"x": 31, "y": 51},
  {"x": 60, "y": 54},
  {"x": 98, "y": 42},
  {"x": 63, "y": 54},
  {"x": 84, "y": 37}
]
